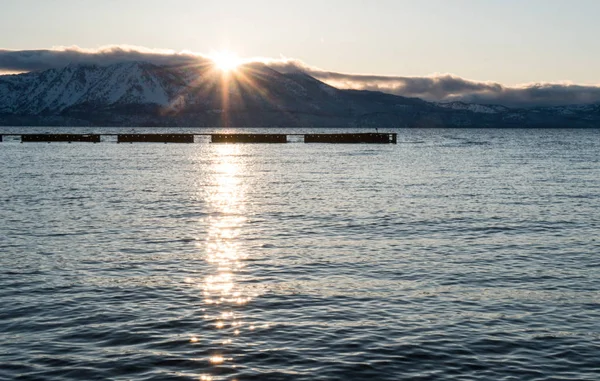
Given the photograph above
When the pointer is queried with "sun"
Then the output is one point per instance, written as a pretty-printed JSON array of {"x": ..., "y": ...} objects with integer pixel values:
[{"x": 225, "y": 60}]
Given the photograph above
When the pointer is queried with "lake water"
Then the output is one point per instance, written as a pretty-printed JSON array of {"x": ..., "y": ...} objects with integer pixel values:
[{"x": 453, "y": 255}]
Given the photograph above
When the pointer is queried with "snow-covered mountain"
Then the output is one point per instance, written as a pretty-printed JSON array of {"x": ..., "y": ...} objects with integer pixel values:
[
  {"x": 140, "y": 93},
  {"x": 56, "y": 90},
  {"x": 139, "y": 83}
]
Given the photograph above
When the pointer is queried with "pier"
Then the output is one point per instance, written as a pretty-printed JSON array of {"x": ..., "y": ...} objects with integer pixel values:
[
  {"x": 368, "y": 138},
  {"x": 248, "y": 138},
  {"x": 155, "y": 138},
  {"x": 68, "y": 138},
  {"x": 220, "y": 138}
]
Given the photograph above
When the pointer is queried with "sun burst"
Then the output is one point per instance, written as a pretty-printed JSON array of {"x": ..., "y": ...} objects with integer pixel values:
[{"x": 225, "y": 60}]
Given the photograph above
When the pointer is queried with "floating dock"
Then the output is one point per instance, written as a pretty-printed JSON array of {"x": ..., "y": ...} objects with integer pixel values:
[
  {"x": 340, "y": 138},
  {"x": 48, "y": 138},
  {"x": 155, "y": 138},
  {"x": 248, "y": 138}
]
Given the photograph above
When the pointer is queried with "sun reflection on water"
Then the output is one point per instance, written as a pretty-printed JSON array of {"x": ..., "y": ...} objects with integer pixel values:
[{"x": 222, "y": 295}]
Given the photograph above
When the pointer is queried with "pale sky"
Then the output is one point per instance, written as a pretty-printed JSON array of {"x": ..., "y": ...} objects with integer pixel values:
[{"x": 509, "y": 41}]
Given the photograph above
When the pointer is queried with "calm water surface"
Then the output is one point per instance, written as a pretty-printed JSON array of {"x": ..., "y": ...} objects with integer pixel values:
[{"x": 454, "y": 255}]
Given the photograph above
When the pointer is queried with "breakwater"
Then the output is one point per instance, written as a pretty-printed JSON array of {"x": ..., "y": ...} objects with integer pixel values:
[{"x": 340, "y": 138}]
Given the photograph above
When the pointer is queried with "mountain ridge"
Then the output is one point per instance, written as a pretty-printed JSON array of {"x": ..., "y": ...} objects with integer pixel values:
[{"x": 138, "y": 93}]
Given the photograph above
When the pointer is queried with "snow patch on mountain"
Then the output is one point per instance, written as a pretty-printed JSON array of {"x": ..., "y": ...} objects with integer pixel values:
[
  {"x": 57, "y": 90},
  {"x": 477, "y": 108}
]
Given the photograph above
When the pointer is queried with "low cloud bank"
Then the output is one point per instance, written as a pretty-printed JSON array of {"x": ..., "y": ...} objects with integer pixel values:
[
  {"x": 439, "y": 87},
  {"x": 447, "y": 87},
  {"x": 33, "y": 60}
]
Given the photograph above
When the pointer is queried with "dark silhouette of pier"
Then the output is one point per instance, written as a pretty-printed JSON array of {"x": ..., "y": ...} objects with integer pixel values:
[
  {"x": 155, "y": 138},
  {"x": 248, "y": 138},
  {"x": 340, "y": 138},
  {"x": 369, "y": 138},
  {"x": 47, "y": 138}
]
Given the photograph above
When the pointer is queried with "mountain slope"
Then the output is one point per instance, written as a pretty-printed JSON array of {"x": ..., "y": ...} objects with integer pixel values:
[{"x": 141, "y": 94}]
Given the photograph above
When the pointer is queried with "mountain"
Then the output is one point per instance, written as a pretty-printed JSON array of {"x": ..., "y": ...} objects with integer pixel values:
[{"x": 144, "y": 94}]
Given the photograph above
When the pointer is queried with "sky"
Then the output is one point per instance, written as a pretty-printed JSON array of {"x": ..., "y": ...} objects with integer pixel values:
[{"x": 508, "y": 42}]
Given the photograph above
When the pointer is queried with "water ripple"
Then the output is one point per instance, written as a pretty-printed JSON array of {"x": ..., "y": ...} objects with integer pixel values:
[{"x": 456, "y": 255}]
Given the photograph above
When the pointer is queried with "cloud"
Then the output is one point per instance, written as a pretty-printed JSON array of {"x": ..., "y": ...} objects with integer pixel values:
[
  {"x": 57, "y": 57},
  {"x": 437, "y": 87},
  {"x": 448, "y": 88}
]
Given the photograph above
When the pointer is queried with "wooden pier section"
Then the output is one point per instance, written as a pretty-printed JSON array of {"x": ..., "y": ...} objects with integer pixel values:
[
  {"x": 68, "y": 138},
  {"x": 155, "y": 138},
  {"x": 365, "y": 138},
  {"x": 248, "y": 138},
  {"x": 339, "y": 138}
]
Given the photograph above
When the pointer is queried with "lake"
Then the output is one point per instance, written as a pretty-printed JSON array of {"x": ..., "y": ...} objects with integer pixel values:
[{"x": 465, "y": 254}]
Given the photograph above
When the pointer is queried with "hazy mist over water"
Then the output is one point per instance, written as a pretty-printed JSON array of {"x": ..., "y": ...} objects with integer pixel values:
[{"x": 453, "y": 255}]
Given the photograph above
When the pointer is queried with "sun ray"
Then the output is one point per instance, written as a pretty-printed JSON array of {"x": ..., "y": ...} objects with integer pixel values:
[
  {"x": 228, "y": 94},
  {"x": 225, "y": 60}
]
